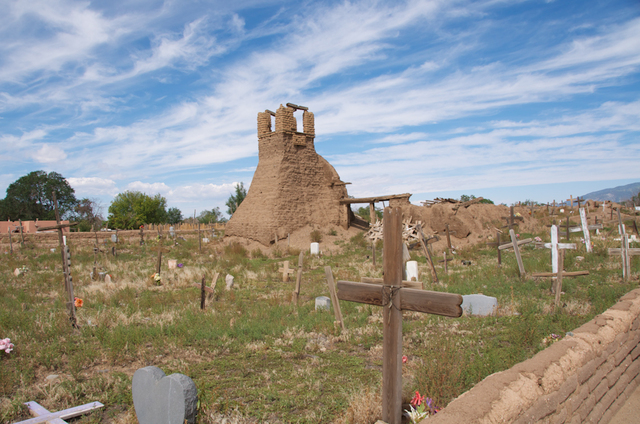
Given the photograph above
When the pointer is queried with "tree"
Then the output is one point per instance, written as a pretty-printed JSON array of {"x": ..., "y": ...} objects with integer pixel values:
[
  {"x": 30, "y": 197},
  {"x": 131, "y": 209},
  {"x": 364, "y": 213},
  {"x": 209, "y": 217},
  {"x": 174, "y": 215},
  {"x": 468, "y": 197},
  {"x": 235, "y": 199},
  {"x": 88, "y": 214}
]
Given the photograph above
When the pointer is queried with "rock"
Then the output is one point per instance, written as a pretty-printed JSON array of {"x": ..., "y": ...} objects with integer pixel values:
[
  {"x": 162, "y": 399},
  {"x": 479, "y": 304},
  {"x": 229, "y": 281},
  {"x": 323, "y": 303},
  {"x": 52, "y": 377}
]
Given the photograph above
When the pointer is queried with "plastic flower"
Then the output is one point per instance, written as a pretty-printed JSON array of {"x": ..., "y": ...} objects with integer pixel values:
[
  {"x": 6, "y": 345},
  {"x": 404, "y": 359},
  {"x": 78, "y": 302},
  {"x": 417, "y": 399},
  {"x": 538, "y": 239},
  {"x": 180, "y": 265}
]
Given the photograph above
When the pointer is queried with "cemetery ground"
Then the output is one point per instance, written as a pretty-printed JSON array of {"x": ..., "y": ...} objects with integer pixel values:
[{"x": 253, "y": 353}]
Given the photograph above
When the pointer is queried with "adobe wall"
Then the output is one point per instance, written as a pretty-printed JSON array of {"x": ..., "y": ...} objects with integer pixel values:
[
  {"x": 293, "y": 186},
  {"x": 586, "y": 377}
]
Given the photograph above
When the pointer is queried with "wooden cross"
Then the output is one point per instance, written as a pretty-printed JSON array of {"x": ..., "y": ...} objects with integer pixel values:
[
  {"x": 571, "y": 200},
  {"x": 511, "y": 219},
  {"x": 160, "y": 252},
  {"x": 68, "y": 284},
  {"x": 10, "y": 241},
  {"x": 585, "y": 230},
  {"x": 448, "y": 232},
  {"x": 555, "y": 246},
  {"x": 334, "y": 297},
  {"x": 579, "y": 200},
  {"x": 43, "y": 416},
  {"x": 296, "y": 293},
  {"x": 21, "y": 234},
  {"x": 423, "y": 242},
  {"x": 204, "y": 289},
  {"x": 285, "y": 270},
  {"x": 394, "y": 299},
  {"x": 625, "y": 253},
  {"x": 497, "y": 245},
  {"x": 515, "y": 246}
]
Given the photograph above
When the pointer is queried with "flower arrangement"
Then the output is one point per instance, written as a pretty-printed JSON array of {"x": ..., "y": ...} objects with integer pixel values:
[
  {"x": 78, "y": 302},
  {"x": 6, "y": 345},
  {"x": 157, "y": 279},
  {"x": 538, "y": 240},
  {"x": 550, "y": 339},
  {"x": 420, "y": 408}
]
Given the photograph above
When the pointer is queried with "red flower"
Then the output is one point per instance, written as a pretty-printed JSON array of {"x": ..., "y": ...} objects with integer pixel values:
[
  {"x": 404, "y": 359},
  {"x": 417, "y": 400}
]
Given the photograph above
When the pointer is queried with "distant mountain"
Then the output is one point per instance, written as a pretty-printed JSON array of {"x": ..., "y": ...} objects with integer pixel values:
[{"x": 616, "y": 194}]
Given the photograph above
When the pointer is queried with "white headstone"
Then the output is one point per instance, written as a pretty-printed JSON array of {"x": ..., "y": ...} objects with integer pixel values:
[
  {"x": 64, "y": 240},
  {"x": 173, "y": 263},
  {"x": 172, "y": 232},
  {"x": 479, "y": 304},
  {"x": 315, "y": 248},
  {"x": 412, "y": 271},
  {"x": 323, "y": 302},
  {"x": 229, "y": 280},
  {"x": 205, "y": 240},
  {"x": 114, "y": 238},
  {"x": 107, "y": 278}
]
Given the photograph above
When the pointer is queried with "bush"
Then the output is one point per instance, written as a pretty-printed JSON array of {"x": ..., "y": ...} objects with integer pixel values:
[
  {"x": 235, "y": 249},
  {"x": 316, "y": 236}
]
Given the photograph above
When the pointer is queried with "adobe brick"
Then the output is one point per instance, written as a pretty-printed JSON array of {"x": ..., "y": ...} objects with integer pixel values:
[
  {"x": 586, "y": 407},
  {"x": 635, "y": 352},
  {"x": 600, "y": 374},
  {"x": 596, "y": 413},
  {"x": 577, "y": 398},
  {"x": 622, "y": 305},
  {"x": 559, "y": 417},
  {"x": 601, "y": 389},
  {"x": 576, "y": 420},
  {"x": 615, "y": 374},
  {"x": 607, "y": 399},
  {"x": 589, "y": 369},
  {"x": 622, "y": 384}
]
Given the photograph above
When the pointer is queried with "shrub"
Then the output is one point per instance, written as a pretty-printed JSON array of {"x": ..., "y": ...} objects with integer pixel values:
[{"x": 316, "y": 236}]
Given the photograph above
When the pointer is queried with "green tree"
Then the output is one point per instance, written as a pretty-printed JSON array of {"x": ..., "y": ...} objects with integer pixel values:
[
  {"x": 30, "y": 197},
  {"x": 364, "y": 213},
  {"x": 209, "y": 217},
  {"x": 467, "y": 197},
  {"x": 235, "y": 199},
  {"x": 131, "y": 209},
  {"x": 174, "y": 215}
]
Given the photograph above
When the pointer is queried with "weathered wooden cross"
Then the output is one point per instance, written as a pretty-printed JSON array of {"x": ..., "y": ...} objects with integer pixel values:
[
  {"x": 68, "y": 284},
  {"x": 296, "y": 292},
  {"x": 286, "y": 271},
  {"x": 423, "y": 242},
  {"x": 204, "y": 289},
  {"x": 10, "y": 241},
  {"x": 515, "y": 246},
  {"x": 21, "y": 234},
  {"x": 511, "y": 219},
  {"x": 160, "y": 252},
  {"x": 44, "y": 416},
  {"x": 394, "y": 299},
  {"x": 585, "y": 229},
  {"x": 625, "y": 253},
  {"x": 497, "y": 246}
]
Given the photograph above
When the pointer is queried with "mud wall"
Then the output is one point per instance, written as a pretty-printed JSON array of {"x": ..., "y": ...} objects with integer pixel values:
[{"x": 586, "y": 377}]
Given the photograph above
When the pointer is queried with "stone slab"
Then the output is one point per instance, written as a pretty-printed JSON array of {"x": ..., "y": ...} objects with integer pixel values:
[
  {"x": 162, "y": 399},
  {"x": 479, "y": 304},
  {"x": 323, "y": 303}
]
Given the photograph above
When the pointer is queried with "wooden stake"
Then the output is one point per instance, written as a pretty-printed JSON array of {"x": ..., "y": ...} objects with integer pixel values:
[
  {"x": 21, "y": 235},
  {"x": 10, "y": 241},
  {"x": 334, "y": 298},
  {"x": 296, "y": 293},
  {"x": 202, "y": 294},
  {"x": 421, "y": 238},
  {"x": 559, "y": 277}
]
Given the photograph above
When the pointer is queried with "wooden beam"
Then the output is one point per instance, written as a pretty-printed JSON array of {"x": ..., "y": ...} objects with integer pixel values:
[
  {"x": 409, "y": 284},
  {"x": 349, "y": 201},
  {"x": 334, "y": 297}
]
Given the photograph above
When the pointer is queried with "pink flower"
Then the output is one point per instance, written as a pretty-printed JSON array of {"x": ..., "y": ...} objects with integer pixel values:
[
  {"x": 404, "y": 359},
  {"x": 6, "y": 345}
]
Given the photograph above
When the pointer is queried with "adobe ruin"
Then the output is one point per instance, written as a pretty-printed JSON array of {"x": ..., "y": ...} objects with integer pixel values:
[{"x": 293, "y": 186}]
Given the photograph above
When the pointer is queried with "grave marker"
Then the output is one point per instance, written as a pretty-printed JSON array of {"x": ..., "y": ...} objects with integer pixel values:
[
  {"x": 585, "y": 230},
  {"x": 44, "y": 416},
  {"x": 65, "y": 269},
  {"x": 427, "y": 254},
  {"x": 296, "y": 293},
  {"x": 625, "y": 254},
  {"x": 515, "y": 246},
  {"x": 511, "y": 219},
  {"x": 285, "y": 270},
  {"x": 334, "y": 298},
  {"x": 21, "y": 234},
  {"x": 10, "y": 241},
  {"x": 555, "y": 246},
  {"x": 394, "y": 299}
]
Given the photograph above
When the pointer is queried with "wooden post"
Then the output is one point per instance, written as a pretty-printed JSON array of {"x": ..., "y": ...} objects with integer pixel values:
[
  {"x": 10, "y": 241},
  {"x": 372, "y": 212},
  {"x": 499, "y": 252},
  {"x": 334, "y": 298},
  {"x": 585, "y": 230},
  {"x": 444, "y": 256},
  {"x": 298, "y": 277},
  {"x": 559, "y": 277},
  {"x": 392, "y": 317},
  {"x": 448, "y": 238},
  {"x": 373, "y": 252},
  {"x": 202, "y": 294},
  {"x": 199, "y": 238},
  {"x": 21, "y": 235},
  {"x": 141, "y": 235},
  {"x": 514, "y": 245},
  {"x": 427, "y": 254}
]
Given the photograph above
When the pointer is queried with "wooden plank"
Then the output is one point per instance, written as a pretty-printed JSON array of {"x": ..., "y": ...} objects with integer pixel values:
[
  {"x": 430, "y": 302},
  {"x": 348, "y": 201},
  {"x": 408, "y": 284},
  {"x": 296, "y": 293},
  {"x": 38, "y": 410},
  {"x": 510, "y": 245},
  {"x": 564, "y": 273},
  {"x": 64, "y": 415},
  {"x": 514, "y": 241},
  {"x": 633, "y": 251},
  {"x": 392, "y": 317},
  {"x": 334, "y": 297},
  {"x": 559, "y": 277},
  {"x": 585, "y": 230},
  {"x": 432, "y": 268}
]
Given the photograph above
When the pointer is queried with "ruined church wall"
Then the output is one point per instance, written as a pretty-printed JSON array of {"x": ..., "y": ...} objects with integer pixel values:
[{"x": 582, "y": 378}]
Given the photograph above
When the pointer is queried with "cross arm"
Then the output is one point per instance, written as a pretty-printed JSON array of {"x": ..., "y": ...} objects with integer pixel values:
[
  {"x": 437, "y": 303},
  {"x": 57, "y": 227},
  {"x": 510, "y": 245}
]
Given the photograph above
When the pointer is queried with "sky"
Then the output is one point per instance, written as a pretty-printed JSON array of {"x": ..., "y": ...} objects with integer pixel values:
[{"x": 509, "y": 100}]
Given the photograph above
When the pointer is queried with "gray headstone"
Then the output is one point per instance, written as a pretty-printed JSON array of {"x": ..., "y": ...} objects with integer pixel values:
[
  {"x": 114, "y": 238},
  {"x": 172, "y": 232},
  {"x": 162, "y": 399},
  {"x": 323, "y": 302},
  {"x": 479, "y": 304}
]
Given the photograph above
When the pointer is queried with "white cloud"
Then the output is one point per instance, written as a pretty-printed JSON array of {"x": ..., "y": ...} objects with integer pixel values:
[
  {"x": 49, "y": 153},
  {"x": 93, "y": 186}
]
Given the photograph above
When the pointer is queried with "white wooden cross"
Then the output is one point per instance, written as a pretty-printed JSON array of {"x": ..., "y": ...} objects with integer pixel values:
[
  {"x": 585, "y": 230},
  {"x": 44, "y": 416},
  {"x": 394, "y": 298},
  {"x": 514, "y": 245},
  {"x": 554, "y": 246},
  {"x": 625, "y": 253}
]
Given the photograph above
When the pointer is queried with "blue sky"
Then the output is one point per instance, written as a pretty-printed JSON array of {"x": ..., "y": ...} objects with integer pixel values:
[{"x": 510, "y": 100}]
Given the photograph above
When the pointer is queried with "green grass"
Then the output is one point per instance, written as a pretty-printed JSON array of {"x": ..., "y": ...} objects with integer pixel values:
[{"x": 254, "y": 354}]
